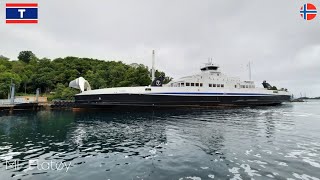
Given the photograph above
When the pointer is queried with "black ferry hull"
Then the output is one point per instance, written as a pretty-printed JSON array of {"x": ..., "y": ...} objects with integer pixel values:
[{"x": 168, "y": 101}]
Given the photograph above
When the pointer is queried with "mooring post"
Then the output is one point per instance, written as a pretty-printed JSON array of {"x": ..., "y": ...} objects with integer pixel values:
[
  {"x": 37, "y": 95},
  {"x": 12, "y": 94}
]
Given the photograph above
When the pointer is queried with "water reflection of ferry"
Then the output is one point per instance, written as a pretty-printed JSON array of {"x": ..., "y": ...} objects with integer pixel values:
[{"x": 208, "y": 88}]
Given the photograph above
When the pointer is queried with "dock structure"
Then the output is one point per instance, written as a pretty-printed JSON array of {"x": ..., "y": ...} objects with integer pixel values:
[
  {"x": 20, "y": 102},
  {"x": 32, "y": 102}
]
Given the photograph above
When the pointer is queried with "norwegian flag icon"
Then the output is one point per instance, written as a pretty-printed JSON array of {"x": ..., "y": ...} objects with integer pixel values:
[{"x": 308, "y": 11}]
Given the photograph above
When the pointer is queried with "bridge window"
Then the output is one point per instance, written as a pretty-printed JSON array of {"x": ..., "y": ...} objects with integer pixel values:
[
  {"x": 182, "y": 84},
  {"x": 222, "y": 85},
  {"x": 212, "y": 68},
  {"x": 187, "y": 84},
  {"x": 214, "y": 85},
  {"x": 192, "y": 84},
  {"x": 197, "y": 84},
  {"x": 210, "y": 85},
  {"x": 201, "y": 84},
  {"x": 218, "y": 85},
  {"x": 209, "y": 68}
]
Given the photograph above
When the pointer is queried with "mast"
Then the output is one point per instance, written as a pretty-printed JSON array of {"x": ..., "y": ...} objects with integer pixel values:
[
  {"x": 152, "y": 71},
  {"x": 249, "y": 66}
]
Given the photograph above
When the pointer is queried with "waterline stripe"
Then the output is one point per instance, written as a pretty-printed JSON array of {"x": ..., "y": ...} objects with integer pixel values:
[{"x": 199, "y": 93}]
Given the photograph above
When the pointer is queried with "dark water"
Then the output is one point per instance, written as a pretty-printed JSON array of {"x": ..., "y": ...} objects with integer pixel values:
[{"x": 281, "y": 142}]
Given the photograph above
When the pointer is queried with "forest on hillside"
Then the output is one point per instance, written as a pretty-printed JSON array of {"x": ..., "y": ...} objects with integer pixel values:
[{"x": 53, "y": 76}]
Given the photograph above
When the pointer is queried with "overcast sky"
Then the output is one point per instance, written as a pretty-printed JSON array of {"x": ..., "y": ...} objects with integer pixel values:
[{"x": 284, "y": 49}]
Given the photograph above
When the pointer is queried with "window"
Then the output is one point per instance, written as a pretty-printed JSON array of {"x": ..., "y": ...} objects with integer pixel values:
[
  {"x": 182, "y": 84},
  {"x": 192, "y": 84},
  {"x": 187, "y": 84},
  {"x": 222, "y": 85},
  {"x": 213, "y": 85},
  {"x": 247, "y": 86},
  {"x": 210, "y": 85},
  {"x": 201, "y": 84},
  {"x": 197, "y": 84},
  {"x": 218, "y": 85},
  {"x": 209, "y": 68},
  {"x": 235, "y": 86},
  {"x": 212, "y": 68}
]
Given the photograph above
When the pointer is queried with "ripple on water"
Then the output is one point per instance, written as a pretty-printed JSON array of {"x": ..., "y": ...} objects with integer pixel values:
[
  {"x": 266, "y": 142},
  {"x": 191, "y": 177},
  {"x": 304, "y": 177}
]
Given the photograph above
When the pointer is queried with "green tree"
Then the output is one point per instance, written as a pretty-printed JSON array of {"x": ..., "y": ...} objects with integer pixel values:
[
  {"x": 4, "y": 61},
  {"x": 53, "y": 76},
  {"x": 5, "y": 81},
  {"x": 63, "y": 92},
  {"x": 26, "y": 56},
  {"x": 4, "y": 58}
]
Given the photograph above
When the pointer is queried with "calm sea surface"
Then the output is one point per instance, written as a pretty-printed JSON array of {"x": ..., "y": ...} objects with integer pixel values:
[{"x": 281, "y": 142}]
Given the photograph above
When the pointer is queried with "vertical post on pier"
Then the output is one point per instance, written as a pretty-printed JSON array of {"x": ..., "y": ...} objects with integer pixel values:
[
  {"x": 12, "y": 93},
  {"x": 152, "y": 70},
  {"x": 9, "y": 95},
  {"x": 37, "y": 95},
  {"x": 249, "y": 66}
]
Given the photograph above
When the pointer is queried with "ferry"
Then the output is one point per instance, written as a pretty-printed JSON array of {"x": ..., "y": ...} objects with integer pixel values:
[{"x": 210, "y": 87}]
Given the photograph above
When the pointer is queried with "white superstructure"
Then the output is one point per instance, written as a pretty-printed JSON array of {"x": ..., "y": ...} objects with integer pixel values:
[
  {"x": 211, "y": 76},
  {"x": 209, "y": 82}
]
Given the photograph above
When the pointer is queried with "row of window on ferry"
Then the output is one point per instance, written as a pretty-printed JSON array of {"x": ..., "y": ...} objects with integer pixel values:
[
  {"x": 187, "y": 84},
  {"x": 210, "y": 85},
  {"x": 247, "y": 86},
  {"x": 197, "y": 85}
]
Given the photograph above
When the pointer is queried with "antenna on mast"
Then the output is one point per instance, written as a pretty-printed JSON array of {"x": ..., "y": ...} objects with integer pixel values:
[{"x": 152, "y": 70}]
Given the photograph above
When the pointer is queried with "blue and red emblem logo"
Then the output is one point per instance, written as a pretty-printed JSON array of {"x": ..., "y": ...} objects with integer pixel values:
[
  {"x": 21, "y": 12},
  {"x": 308, "y": 11}
]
